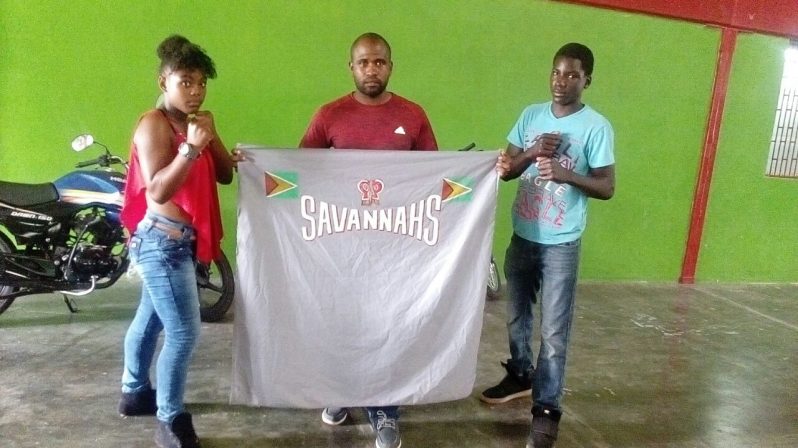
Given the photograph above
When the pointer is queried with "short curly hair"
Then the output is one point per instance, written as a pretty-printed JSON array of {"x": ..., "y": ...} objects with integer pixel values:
[
  {"x": 178, "y": 53},
  {"x": 580, "y": 52}
]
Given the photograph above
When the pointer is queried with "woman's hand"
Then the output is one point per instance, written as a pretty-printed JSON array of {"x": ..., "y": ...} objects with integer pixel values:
[
  {"x": 201, "y": 129},
  {"x": 236, "y": 156}
]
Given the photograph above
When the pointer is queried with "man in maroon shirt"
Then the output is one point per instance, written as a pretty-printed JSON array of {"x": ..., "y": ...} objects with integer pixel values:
[{"x": 371, "y": 118}]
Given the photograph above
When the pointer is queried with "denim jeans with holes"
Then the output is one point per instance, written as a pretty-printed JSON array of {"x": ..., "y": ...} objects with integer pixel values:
[
  {"x": 546, "y": 273},
  {"x": 169, "y": 302}
]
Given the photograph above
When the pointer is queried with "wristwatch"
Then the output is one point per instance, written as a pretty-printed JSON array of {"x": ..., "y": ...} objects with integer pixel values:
[{"x": 187, "y": 150}]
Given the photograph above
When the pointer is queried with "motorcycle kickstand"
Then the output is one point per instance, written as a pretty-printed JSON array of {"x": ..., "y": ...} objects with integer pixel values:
[{"x": 70, "y": 304}]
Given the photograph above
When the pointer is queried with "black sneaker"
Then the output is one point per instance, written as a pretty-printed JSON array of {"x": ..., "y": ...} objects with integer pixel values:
[
  {"x": 510, "y": 388},
  {"x": 179, "y": 434},
  {"x": 138, "y": 403},
  {"x": 545, "y": 423},
  {"x": 387, "y": 431}
]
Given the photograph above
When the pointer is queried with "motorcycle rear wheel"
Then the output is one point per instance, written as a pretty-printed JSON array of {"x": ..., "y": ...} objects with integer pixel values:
[
  {"x": 216, "y": 285},
  {"x": 494, "y": 281},
  {"x": 5, "y": 290}
]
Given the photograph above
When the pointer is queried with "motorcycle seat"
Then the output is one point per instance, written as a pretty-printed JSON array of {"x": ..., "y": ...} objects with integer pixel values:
[{"x": 25, "y": 195}]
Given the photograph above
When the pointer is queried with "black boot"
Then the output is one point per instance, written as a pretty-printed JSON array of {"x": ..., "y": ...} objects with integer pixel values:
[
  {"x": 179, "y": 434},
  {"x": 544, "y": 427},
  {"x": 138, "y": 403}
]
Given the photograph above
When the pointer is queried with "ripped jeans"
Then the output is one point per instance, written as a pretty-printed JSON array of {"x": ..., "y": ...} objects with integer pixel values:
[
  {"x": 169, "y": 302},
  {"x": 547, "y": 272}
]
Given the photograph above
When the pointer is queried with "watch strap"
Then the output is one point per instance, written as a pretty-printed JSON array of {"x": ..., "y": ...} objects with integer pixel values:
[{"x": 188, "y": 151}]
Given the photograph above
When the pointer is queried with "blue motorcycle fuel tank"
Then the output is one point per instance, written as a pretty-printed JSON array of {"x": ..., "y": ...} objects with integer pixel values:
[{"x": 92, "y": 187}]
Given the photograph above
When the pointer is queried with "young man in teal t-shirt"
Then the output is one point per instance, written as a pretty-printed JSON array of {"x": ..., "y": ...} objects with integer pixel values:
[{"x": 562, "y": 153}]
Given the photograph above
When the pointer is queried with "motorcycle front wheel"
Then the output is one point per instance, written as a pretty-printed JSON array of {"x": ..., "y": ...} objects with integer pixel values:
[
  {"x": 5, "y": 290},
  {"x": 216, "y": 285}
]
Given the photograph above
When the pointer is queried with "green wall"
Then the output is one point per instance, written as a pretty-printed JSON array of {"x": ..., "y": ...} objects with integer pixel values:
[
  {"x": 750, "y": 234},
  {"x": 90, "y": 66}
]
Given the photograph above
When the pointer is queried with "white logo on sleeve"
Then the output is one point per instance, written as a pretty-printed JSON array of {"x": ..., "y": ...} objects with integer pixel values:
[{"x": 400, "y": 130}]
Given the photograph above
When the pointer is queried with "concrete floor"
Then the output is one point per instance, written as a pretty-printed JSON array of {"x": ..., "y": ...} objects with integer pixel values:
[{"x": 650, "y": 366}]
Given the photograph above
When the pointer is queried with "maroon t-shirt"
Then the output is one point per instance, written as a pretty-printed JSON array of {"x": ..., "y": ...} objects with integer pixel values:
[{"x": 345, "y": 123}]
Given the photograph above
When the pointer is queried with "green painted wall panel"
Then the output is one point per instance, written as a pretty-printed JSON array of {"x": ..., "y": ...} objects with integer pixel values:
[
  {"x": 751, "y": 219},
  {"x": 90, "y": 66}
]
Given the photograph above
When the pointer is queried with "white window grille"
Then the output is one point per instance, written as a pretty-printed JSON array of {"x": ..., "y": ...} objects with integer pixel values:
[{"x": 783, "y": 157}]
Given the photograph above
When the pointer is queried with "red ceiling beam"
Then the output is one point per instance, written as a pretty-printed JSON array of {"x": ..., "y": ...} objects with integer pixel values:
[{"x": 777, "y": 17}]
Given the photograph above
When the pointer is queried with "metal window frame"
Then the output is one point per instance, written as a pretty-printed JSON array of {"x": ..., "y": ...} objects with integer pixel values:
[{"x": 782, "y": 158}]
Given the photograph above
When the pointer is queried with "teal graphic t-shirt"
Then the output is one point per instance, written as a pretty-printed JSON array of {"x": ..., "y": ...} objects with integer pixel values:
[{"x": 545, "y": 211}]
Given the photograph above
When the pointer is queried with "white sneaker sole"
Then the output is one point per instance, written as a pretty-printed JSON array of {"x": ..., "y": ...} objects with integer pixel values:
[
  {"x": 511, "y": 397},
  {"x": 326, "y": 419},
  {"x": 377, "y": 444}
]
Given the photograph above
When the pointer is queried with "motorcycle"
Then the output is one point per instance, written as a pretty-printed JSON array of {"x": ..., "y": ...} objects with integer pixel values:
[{"x": 66, "y": 237}]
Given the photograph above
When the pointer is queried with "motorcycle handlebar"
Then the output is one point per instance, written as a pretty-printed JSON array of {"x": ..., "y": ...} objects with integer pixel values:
[
  {"x": 104, "y": 160},
  {"x": 87, "y": 163}
]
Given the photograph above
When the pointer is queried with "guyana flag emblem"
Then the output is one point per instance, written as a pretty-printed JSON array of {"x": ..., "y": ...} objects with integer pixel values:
[
  {"x": 283, "y": 184},
  {"x": 456, "y": 189}
]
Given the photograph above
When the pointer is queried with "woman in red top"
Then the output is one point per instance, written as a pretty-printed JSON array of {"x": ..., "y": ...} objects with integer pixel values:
[{"x": 172, "y": 211}]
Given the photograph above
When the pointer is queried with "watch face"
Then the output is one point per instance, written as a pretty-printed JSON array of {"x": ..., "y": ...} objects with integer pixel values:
[{"x": 185, "y": 149}]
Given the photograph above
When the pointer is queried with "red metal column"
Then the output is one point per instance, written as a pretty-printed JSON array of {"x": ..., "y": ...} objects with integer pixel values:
[{"x": 701, "y": 195}]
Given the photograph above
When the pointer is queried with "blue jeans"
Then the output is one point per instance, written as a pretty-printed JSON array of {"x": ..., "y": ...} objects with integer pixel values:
[
  {"x": 548, "y": 272},
  {"x": 169, "y": 302}
]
